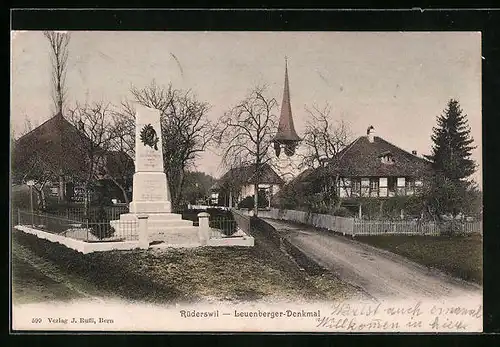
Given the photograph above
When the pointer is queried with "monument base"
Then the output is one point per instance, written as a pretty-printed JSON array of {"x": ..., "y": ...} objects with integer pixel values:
[
  {"x": 164, "y": 227},
  {"x": 145, "y": 207}
]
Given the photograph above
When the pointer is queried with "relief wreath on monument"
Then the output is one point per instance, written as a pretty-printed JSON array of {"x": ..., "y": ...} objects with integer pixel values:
[{"x": 149, "y": 136}]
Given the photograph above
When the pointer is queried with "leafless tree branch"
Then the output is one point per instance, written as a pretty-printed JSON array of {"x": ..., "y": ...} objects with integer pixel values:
[
  {"x": 59, "y": 51},
  {"x": 245, "y": 133}
]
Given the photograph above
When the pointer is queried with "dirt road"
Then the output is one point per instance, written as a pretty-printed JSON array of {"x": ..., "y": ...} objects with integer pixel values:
[{"x": 379, "y": 273}]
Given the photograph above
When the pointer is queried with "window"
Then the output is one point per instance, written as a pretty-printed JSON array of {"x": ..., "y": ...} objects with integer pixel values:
[
  {"x": 356, "y": 187},
  {"x": 54, "y": 191},
  {"x": 374, "y": 184},
  {"x": 386, "y": 158},
  {"x": 365, "y": 187},
  {"x": 382, "y": 187},
  {"x": 344, "y": 186},
  {"x": 401, "y": 186},
  {"x": 410, "y": 187}
]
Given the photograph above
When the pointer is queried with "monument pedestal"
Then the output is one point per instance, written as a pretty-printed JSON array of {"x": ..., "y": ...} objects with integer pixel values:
[
  {"x": 150, "y": 195},
  {"x": 166, "y": 227}
]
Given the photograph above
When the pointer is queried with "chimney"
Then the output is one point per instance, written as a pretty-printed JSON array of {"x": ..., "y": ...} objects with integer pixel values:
[
  {"x": 414, "y": 152},
  {"x": 369, "y": 133}
]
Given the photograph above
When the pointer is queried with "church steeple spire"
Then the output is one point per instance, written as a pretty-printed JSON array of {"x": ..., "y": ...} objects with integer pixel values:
[{"x": 286, "y": 134}]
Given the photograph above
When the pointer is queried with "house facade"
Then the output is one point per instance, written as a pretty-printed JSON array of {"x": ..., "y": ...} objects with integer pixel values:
[
  {"x": 238, "y": 183},
  {"x": 371, "y": 167},
  {"x": 53, "y": 154}
]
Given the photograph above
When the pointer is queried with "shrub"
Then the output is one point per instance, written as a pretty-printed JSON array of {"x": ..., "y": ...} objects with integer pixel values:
[
  {"x": 452, "y": 228},
  {"x": 248, "y": 202},
  {"x": 20, "y": 197},
  {"x": 342, "y": 212}
]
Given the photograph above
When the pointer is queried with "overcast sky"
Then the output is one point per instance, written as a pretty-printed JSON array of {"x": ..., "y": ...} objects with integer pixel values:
[{"x": 398, "y": 81}]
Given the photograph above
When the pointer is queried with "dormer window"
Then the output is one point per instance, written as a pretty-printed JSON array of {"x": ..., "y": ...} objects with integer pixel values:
[{"x": 386, "y": 158}]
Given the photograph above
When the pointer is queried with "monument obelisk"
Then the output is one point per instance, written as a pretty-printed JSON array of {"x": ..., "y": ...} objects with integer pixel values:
[
  {"x": 150, "y": 192},
  {"x": 150, "y": 195}
]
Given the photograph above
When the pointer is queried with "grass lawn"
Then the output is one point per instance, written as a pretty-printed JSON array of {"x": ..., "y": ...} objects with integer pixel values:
[
  {"x": 187, "y": 275},
  {"x": 30, "y": 284},
  {"x": 460, "y": 256}
]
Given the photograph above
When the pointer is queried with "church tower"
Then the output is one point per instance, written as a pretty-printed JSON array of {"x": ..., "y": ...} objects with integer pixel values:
[{"x": 286, "y": 136}]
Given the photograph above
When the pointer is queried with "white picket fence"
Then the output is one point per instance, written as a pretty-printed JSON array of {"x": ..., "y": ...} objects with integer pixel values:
[
  {"x": 342, "y": 225},
  {"x": 363, "y": 227},
  {"x": 354, "y": 226}
]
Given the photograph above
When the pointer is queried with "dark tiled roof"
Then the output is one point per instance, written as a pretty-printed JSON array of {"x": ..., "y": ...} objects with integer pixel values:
[
  {"x": 55, "y": 142},
  {"x": 363, "y": 158},
  {"x": 246, "y": 175},
  {"x": 59, "y": 145}
]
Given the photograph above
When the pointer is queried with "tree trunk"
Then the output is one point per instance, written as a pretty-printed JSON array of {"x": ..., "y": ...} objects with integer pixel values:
[
  {"x": 40, "y": 195},
  {"x": 86, "y": 200},
  {"x": 178, "y": 195},
  {"x": 124, "y": 192},
  {"x": 256, "y": 199},
  {"x": 62, "y": 192},
  {"x": 38, "y": 199},
  {"x": 41, "y": 201}
]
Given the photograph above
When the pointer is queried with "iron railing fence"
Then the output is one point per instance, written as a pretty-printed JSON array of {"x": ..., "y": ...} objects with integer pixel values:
[
  {"x": 222, "y": 226},
  {"x": 117, "y": 230},
  {"x": 106, "y": 213},
  {"x": 89, "y": 231},
  {"x": 232, "y": 225},
  {"x": 242, "y": 220},
  {"x": 48, "y": 223}
]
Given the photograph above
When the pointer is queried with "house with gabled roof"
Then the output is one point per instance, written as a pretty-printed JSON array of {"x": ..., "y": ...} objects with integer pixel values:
[
  {"x": 55, "y": 150},
  {"x": 238, "y": 183},
  {"x": 372, "y": 167}
]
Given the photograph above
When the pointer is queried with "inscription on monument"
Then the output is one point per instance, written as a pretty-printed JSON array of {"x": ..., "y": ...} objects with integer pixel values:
[
  {"x": 151, "y": 189},
  {"x": 150, "y": 159}
]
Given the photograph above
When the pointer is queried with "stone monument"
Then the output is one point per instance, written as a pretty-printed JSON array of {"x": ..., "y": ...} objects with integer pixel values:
[{"x": 151, "y": 195}]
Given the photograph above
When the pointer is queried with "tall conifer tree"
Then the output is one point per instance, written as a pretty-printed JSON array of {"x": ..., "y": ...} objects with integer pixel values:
[
  {"x": 451, "y": 161},
  {"x": 452, "y": 144}
]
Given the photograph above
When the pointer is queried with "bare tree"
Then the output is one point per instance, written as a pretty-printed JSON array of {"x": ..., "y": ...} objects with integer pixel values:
[
  {"x": 59, "y": 43},
  {"x": 186, "y": 130},
  {"x": 324, "y": 137},
  {"x": 40, "y": 165},
  {"x": 29, "y": 165},
  {"x": 96, "y": 136},
  {"x": 246, "y": 133}
]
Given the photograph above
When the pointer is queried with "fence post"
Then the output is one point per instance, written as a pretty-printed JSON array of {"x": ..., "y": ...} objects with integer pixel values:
[
  {"x": 18, "y": 216},
  {"x": 87, "y": 227},
  {"x": 143, "y": 231},
  {"x": 203, "y": 227}
]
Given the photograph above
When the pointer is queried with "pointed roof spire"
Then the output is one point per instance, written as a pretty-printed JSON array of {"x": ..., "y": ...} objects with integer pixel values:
[{"x": 286, "y": 129}]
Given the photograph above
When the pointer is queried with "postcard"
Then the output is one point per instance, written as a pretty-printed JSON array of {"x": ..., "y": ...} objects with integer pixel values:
[{"x": 174, "y": 181}]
